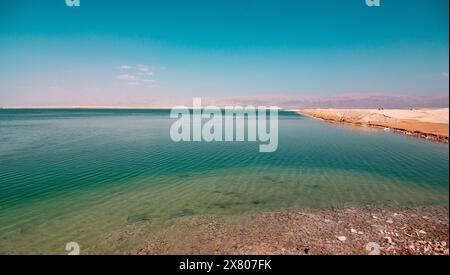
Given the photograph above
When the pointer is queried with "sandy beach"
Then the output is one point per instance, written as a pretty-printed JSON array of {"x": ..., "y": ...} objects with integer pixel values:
[
  {"x": 410, "y": 231},
  {"x": 426, "y": 123}
]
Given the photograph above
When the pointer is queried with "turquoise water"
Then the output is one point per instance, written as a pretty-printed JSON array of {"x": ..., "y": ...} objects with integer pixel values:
[{"x": 109, "y": 179}]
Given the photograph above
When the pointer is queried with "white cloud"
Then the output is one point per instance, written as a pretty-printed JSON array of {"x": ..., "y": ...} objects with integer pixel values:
[
  {"x": 128, "y": 77},
  {"x": 143, "y": 68},
  {"x": 139, "y": 75},
  {"x": 148, "y": 80},
  {"x": 145, "y": 73},
  {"x": 124, "y": 67},
  {"x": 445, "y": 74}
]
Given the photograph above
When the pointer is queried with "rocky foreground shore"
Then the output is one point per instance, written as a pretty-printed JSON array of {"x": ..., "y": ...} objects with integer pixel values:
[{"x": 337, "y": 231}]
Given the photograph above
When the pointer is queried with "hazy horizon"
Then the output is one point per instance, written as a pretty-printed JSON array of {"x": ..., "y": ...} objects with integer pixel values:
[{"x": 340, "y": 101}]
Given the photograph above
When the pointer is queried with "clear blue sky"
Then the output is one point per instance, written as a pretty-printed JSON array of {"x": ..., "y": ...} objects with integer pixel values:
[{"x": 51, "y": 54}]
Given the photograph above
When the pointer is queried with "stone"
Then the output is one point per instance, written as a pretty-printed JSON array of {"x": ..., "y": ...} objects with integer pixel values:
[
  {"x": 389, "y": 240},
  {"x": 342, "y": 238}
]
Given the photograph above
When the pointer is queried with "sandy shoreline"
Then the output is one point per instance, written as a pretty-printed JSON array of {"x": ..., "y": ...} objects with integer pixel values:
[
  {"x": 332, "y": 231},
  {"x": 430, "y": 124}
]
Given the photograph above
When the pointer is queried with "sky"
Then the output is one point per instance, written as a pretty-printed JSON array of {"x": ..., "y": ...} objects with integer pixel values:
[{"x": 163, "y": 53}]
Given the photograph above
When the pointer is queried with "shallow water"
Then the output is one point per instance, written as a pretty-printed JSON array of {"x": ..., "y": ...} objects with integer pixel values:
[{"x": 94, "y": 176}]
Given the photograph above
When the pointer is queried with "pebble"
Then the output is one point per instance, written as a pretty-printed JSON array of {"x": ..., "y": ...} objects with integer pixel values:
[
  {"x": 404, "y": 236},
  {"x": 342, "y": 238},
  {"x": 389, "y": 240},
  {"x": 390, "y": 221}
]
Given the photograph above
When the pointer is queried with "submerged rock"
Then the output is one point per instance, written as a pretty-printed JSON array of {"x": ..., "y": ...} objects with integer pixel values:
[
  {"x": 182, "y": 213},
  {"x": 269, "y": 178},
  {"x": 138, "y": 218},
  {"x": 226, "y": 204}
]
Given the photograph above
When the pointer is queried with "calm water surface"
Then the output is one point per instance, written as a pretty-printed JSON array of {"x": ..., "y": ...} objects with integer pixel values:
[{"x": 94, "y": 176}]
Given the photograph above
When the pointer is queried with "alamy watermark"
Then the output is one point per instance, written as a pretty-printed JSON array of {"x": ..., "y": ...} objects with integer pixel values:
[
  {"x": 73, "y": 3},
  {"x": 227, "y": 124},
  {"x": 373, "y": 3},
  {"x": 73, "y": 248},
  {"x": 370, "y": 3}
]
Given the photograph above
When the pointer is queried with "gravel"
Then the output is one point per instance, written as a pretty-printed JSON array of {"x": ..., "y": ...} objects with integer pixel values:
[{"x": 308, "y": 232}]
